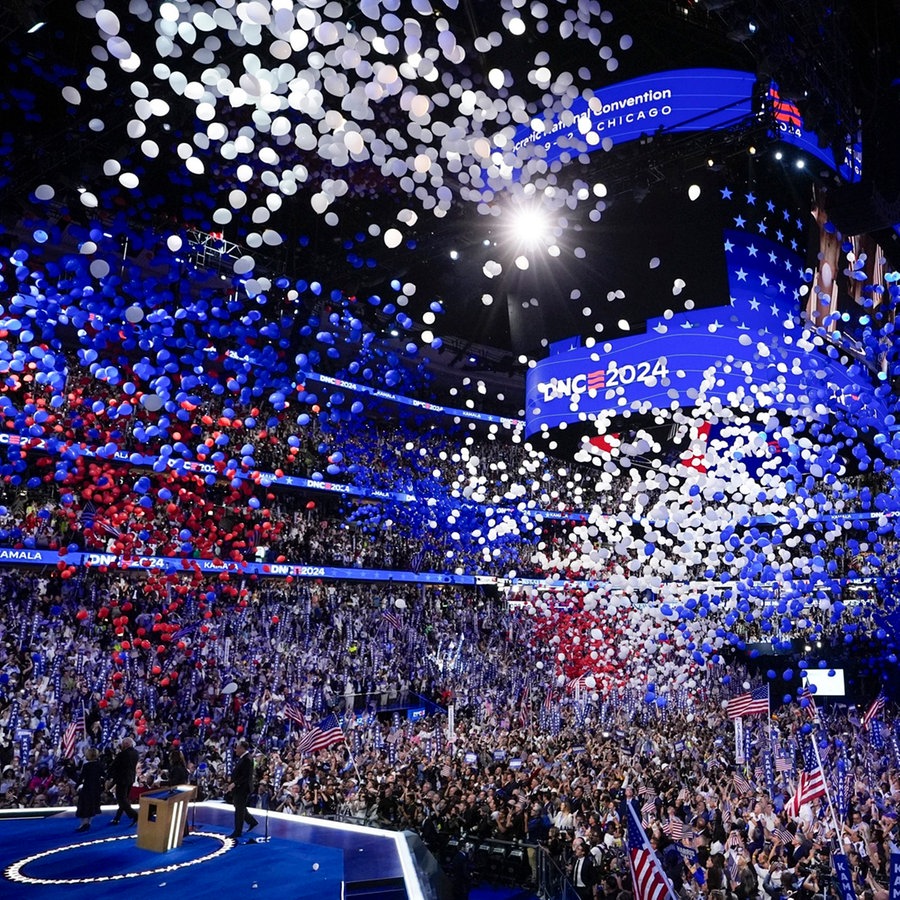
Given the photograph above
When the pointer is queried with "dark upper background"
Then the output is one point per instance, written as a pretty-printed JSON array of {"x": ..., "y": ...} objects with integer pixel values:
[{"x": 836, "y": 60}]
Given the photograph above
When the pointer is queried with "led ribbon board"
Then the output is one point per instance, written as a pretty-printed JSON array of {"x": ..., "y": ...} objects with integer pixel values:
[
  {"x": 673, "y": 101},
  {"x": 679, "y": 368}
]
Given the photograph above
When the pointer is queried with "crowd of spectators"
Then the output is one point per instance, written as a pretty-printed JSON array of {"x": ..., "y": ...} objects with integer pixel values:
[{"x": 181, "y": 662}]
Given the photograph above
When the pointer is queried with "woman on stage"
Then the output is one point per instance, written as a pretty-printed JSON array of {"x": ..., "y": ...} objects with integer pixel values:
[{"x": 89, "y": 789}]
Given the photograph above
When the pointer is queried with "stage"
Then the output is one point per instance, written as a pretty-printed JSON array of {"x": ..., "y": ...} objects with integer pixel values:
[{"x": 41, "y": 855}]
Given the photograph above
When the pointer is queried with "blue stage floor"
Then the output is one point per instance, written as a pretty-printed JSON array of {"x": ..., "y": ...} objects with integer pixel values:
[{"x": 305, "y": 858}]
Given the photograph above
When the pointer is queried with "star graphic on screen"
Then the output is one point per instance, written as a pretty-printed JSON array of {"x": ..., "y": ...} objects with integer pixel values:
[
  {"x": 660, "y": 328},
  {"x": 739, "y": 221},
  {"x": 741, "y": 274},
  {"x": 763, "y": 228},
  {"x": 715, "y": 326},
  {"x": 782, "y": 287},
  {"x": 793, "y": 245},
  {"x": 726, "y": 193},
  {"x": 774, "y": 308},
  {"x": 770, "y": 206},
  {"x": 751, "y": 198},
  {"x": 764, "y": 280},
  {"x": 799, "y": 223},
  {"x": 752, "y": 249},
  {"x": 754, "y": 304},
  {"x": 728, "y": 246},
  {"x": 787, "y": 265},
  {"x": 687, "y": 324},
  {"x": 780, "y": 235},
  {"x": 772, "y": 257},
  {"x": 786, "y": 215},
  {"x": 743, "y": 327}
]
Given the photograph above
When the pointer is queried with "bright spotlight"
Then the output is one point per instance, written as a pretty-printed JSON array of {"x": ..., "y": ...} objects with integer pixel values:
[{"x": 530, "y": 226}]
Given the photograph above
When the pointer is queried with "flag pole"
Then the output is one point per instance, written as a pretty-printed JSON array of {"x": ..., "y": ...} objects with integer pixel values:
[
  {"x": 359, "y": 780},
  {"x": 834, "y": 821}
]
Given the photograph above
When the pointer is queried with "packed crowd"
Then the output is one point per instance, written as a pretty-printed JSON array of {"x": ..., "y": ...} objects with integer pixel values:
[
  {"x": 472, "y": 512},
  {"x": 533, "y": 755}
]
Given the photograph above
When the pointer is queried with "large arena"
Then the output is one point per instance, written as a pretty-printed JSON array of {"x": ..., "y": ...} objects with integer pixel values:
[{"x": 452, "y": 445}]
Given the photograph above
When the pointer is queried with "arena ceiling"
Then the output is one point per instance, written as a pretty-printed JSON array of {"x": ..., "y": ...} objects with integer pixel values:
[{"x": 377, "y": 195}]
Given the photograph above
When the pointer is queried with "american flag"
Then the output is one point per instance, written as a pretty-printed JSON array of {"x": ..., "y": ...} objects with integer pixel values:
[
  {"x": 806, "y": 694},
  {"x": 648, "y": 878},
  {"x": 784, "y": 764},
  {"x": 735, "y": 840},
  {"x": 753, "y": 703},
  {"x": 732, "y": 865},
  {"x": 741, "y": 785},
  {"x": 810, "y": 785},
  {"x": 674, "y": 829},
  {"x": 74, "y": 731},
  {"x": 782, "y": 835},
  {"x": 320, "y": 736},
  {"x": 876, "y": 707},
  {"x": 392, "y": 619},
  {"x": 549, "y": 697},
  {"x": 295, "y": 714}
]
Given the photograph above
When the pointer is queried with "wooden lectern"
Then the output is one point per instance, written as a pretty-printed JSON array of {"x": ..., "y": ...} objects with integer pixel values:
[{"x": 162, "y": 816}]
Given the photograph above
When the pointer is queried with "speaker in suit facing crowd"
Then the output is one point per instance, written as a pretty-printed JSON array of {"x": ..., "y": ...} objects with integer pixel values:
[
  {"x": 123, "y": 771},
  {"x": 240, "y": 788}
]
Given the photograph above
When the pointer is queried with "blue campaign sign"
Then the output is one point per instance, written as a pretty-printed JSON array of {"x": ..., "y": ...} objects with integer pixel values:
[
  {"x": 894, "y": 886},
  {"x": 672, "y": 101},
  {"x": 843, "y": 876},
  {"x": 416, "y": 713}
]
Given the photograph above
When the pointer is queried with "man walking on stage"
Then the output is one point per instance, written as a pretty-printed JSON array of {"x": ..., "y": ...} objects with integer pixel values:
[
  {"x": 122, "y": 772},
  {"x": 241, "y": 782}
]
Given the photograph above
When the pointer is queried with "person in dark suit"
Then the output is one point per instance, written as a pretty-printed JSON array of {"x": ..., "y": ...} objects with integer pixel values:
[
  {"x": 583, "y": 870},
  {"x": 89, "y": 789},
  {"x": 240, "y": 787},
  {"x": 122, "y": 772}
]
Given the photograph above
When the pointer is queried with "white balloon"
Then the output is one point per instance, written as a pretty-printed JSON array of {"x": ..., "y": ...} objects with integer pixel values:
[{"x": 108, "y": 21}]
